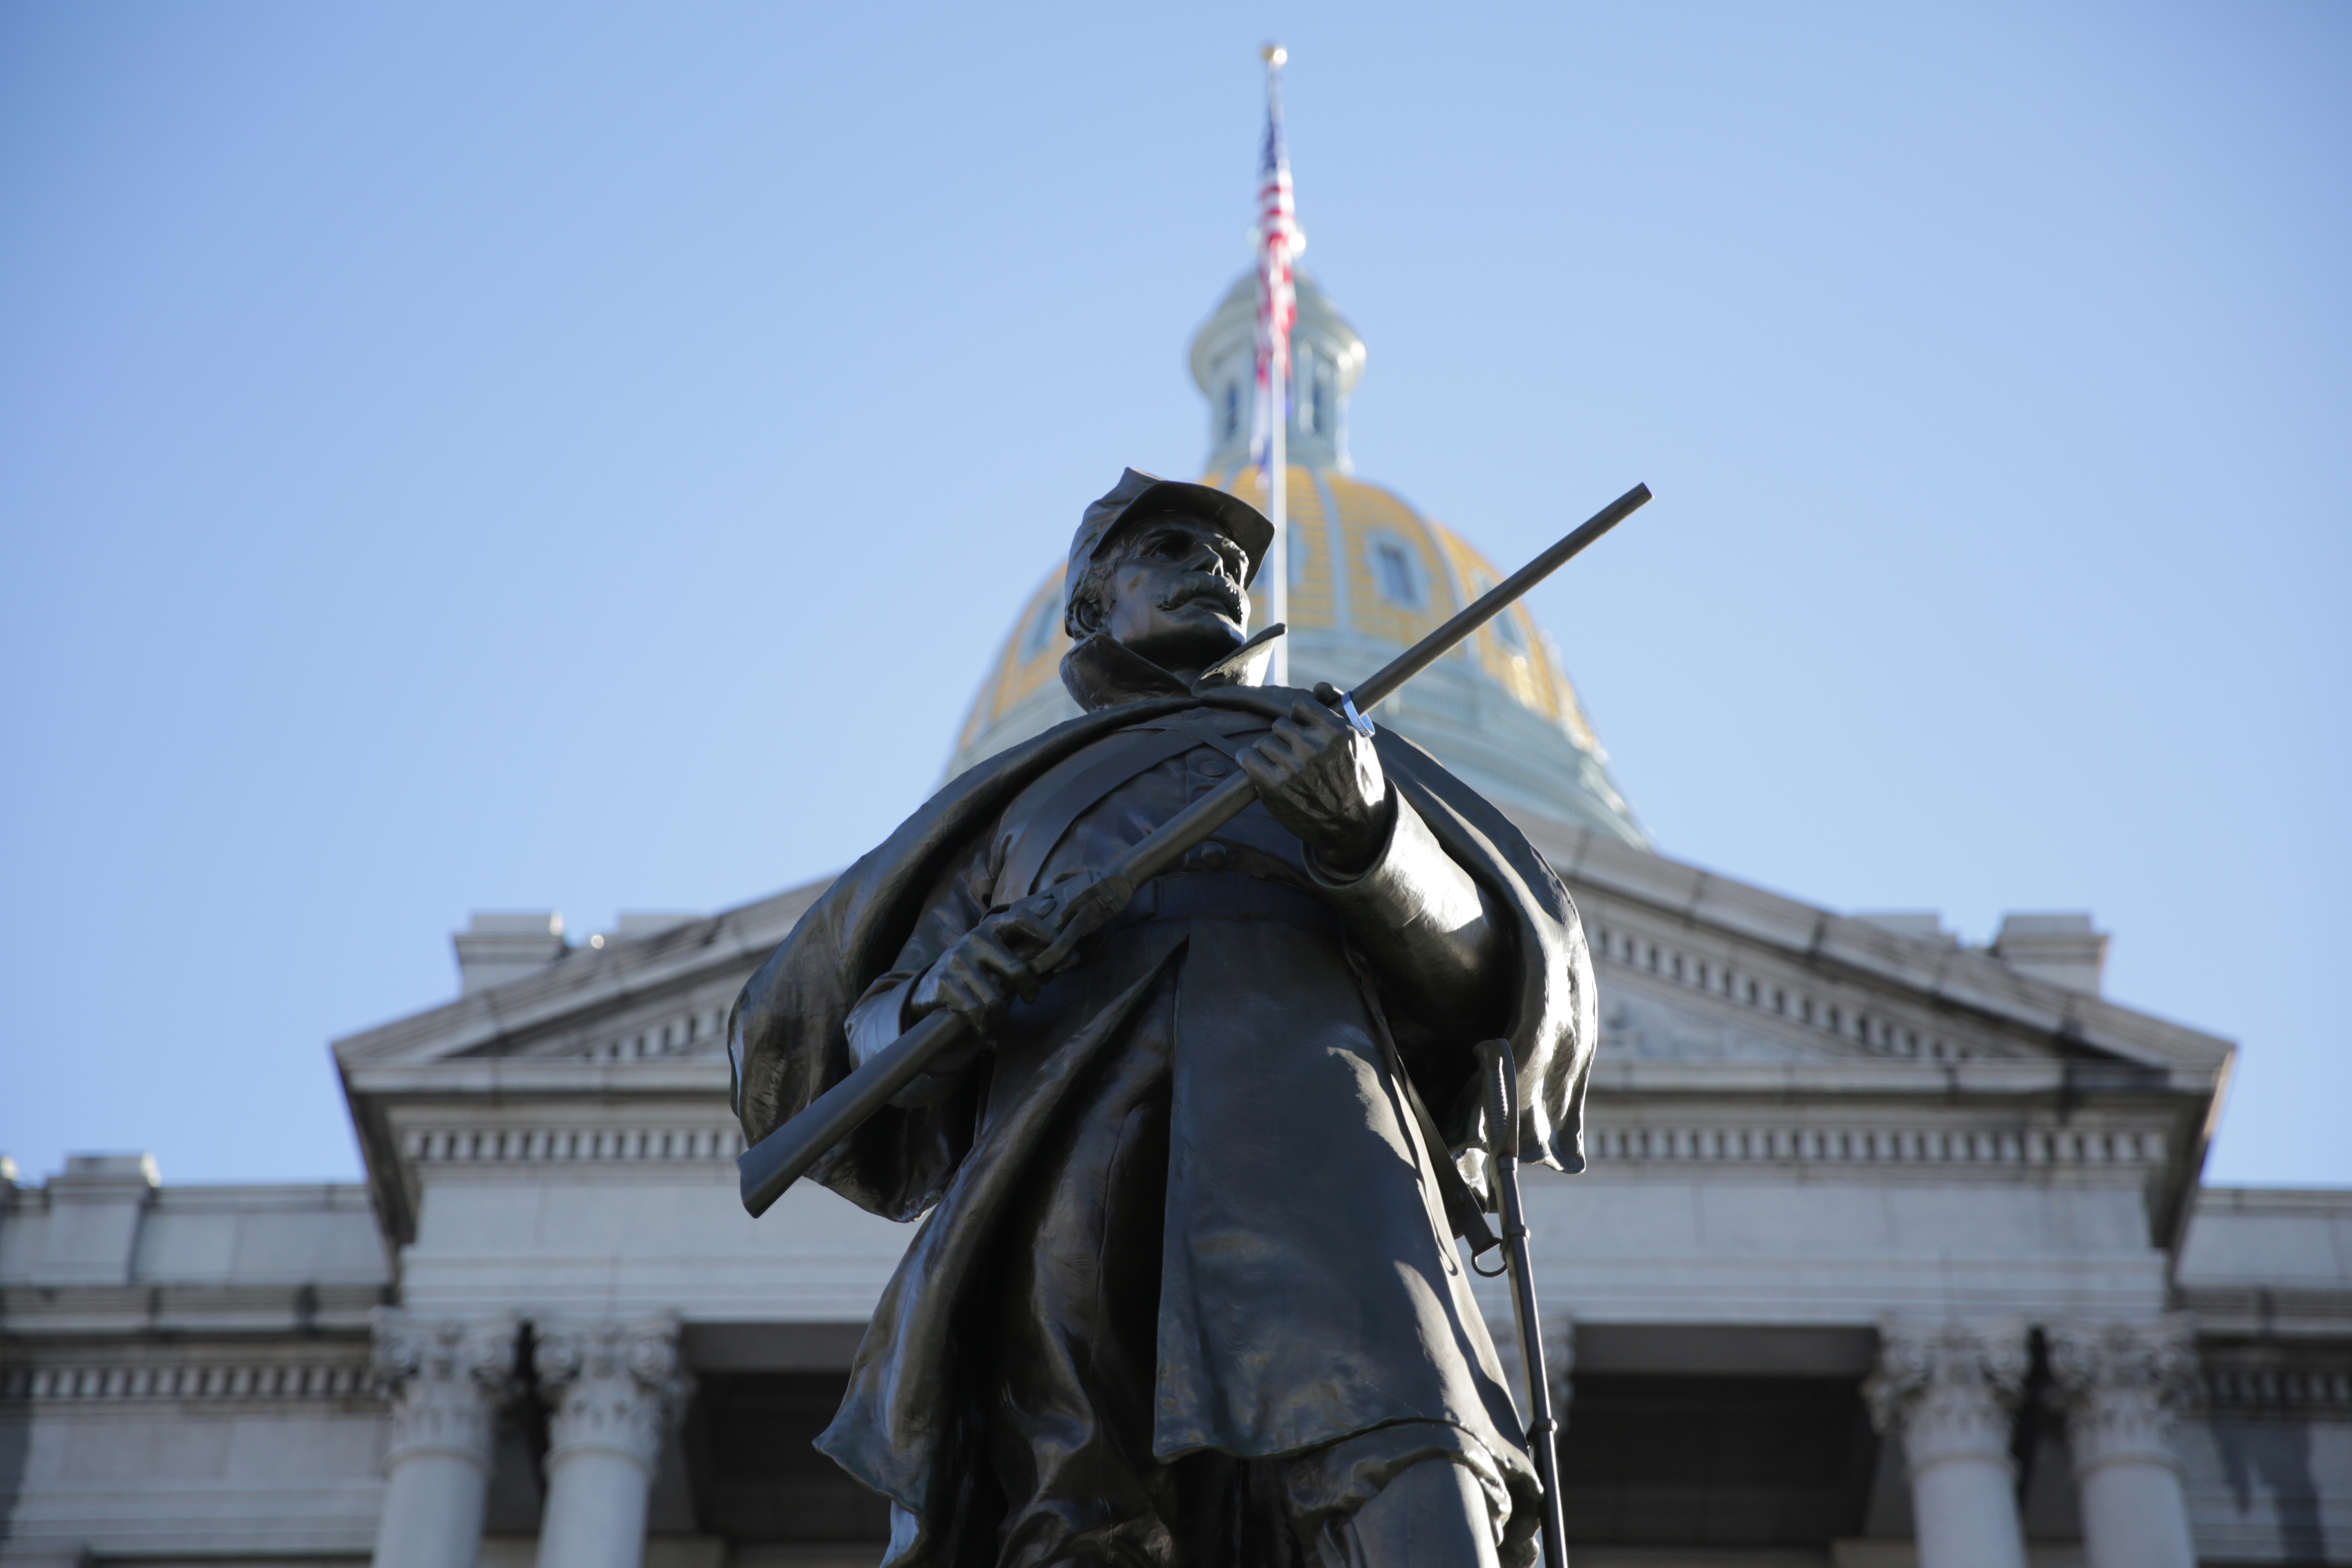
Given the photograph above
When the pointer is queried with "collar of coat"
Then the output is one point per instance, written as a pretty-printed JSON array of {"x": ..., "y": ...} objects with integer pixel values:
[{"x": 1100, "y": 672}]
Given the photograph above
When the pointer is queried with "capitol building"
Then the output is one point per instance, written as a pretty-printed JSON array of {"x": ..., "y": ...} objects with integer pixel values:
[{"x": 1894, "y": 1250}]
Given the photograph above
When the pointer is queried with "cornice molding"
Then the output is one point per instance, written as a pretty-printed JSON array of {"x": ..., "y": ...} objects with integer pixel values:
[
  {"x": 553, "y": 1078},
  {"x": 709, "y": 1143},
  {"x": 49, "y": 1314},
  {"x": 2135, "y": 1151}
]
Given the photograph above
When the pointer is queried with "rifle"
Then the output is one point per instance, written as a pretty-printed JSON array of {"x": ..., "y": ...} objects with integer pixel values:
[
  {"x": 786, "y": 1154},
  {"x": 1499, "y": 1088}
]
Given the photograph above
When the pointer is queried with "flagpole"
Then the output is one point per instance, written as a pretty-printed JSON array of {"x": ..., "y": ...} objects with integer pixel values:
[
  {"x": 1277, "y": 374},
  {"x": 1278, "y": 559}
]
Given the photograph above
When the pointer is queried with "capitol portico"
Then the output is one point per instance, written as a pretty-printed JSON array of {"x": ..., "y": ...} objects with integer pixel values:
[{"x": 1894, "y": 1250}]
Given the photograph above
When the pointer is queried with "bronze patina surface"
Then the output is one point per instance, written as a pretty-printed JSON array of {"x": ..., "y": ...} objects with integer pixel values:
[{"x": 1187, "y": 1290}]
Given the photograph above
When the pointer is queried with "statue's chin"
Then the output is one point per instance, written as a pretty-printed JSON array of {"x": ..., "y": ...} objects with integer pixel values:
[{"x": 1193, "y": 652}]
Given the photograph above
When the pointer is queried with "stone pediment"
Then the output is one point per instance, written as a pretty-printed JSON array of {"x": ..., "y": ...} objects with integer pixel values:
[
  {"x": 1694, "y": 967},
  {"x": 653, "y": 998},
  {"x": 1635, "y": 1028},
  {"x": 1701, "y": 967}
]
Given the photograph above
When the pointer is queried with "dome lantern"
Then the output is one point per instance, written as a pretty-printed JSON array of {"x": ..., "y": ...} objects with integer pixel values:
[{"x": 1327, "y": 356}]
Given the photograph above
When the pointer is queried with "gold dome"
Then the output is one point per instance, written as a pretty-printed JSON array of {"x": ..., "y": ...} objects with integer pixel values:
[{"x": 1499, "y": 710}]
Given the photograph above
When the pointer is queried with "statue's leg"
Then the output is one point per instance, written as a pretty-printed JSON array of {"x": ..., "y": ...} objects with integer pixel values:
[
  {"x": 1072, "y": 1320},
  {"x": 1430, "y": 1515}
]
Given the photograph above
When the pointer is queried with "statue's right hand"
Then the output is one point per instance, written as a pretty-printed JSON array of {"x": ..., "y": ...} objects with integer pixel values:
[{"x": 977, "y": 977}]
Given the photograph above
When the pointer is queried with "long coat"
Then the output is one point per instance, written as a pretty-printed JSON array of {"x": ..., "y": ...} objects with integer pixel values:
[{"x": 902, "y": 1429}]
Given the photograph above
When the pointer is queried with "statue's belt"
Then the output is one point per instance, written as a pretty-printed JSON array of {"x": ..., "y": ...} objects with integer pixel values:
[{"x": 1227, "y": 897}]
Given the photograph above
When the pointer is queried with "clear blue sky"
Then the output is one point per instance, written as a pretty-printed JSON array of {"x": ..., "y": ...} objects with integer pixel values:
[{"x": 461, "y": 457}]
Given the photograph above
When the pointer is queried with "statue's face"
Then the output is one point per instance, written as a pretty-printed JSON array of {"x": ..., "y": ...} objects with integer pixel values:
[{"x": 1173, "y": 593}]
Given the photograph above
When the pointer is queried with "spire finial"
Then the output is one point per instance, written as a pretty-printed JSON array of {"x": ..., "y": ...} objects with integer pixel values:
[{"x": 1275, "y": 56}]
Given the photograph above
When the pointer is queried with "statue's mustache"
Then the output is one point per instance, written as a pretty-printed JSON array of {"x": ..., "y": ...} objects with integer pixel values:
[{"x": 1222, "y": 592}]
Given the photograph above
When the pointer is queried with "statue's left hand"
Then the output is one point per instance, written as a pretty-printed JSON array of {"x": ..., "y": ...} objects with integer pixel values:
[{"x": 1322, "y": 780}]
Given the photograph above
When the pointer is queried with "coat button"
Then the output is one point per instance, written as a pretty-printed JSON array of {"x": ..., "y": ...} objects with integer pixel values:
[
  {"x": 1213, "y": 856},
  {"x": 1213, "y": 766}
]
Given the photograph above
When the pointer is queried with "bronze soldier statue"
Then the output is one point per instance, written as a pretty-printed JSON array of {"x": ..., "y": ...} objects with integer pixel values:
[{"x": 1188, "y": 1294}]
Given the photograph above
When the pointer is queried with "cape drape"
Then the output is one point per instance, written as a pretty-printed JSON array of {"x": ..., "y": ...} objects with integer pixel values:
[
  {"x": 788, "y": 1044},
  {"x": 787, "y": 1041}
]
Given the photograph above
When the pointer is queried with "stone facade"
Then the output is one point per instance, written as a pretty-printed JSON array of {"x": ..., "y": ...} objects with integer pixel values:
[{"x": 1891, "y": 1253}]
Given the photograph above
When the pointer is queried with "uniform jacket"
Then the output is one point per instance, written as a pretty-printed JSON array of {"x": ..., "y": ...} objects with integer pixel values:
[{"x": 1285, "y": 1189}]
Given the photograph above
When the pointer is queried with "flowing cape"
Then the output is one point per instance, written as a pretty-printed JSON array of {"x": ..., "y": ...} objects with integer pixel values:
[{"x": 788, "y": 1044}]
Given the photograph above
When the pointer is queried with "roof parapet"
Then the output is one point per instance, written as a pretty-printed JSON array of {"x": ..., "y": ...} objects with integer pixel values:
[
  {"x": 1922, "y": 925},
  {"x": 496, "y": 948},
  {"x": 95, "y": 1206},
  {"x": 2060, "y": 947}
]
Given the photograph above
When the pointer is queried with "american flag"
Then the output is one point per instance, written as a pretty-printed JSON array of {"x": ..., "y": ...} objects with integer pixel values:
[{"x": 1279, "y": 240}]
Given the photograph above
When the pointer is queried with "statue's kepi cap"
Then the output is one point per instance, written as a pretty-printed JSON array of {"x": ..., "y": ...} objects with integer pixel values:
[{"x": 1140, "y": 495}]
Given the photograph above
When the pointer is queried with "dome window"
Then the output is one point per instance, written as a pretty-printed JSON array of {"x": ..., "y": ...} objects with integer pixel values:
[
  {"x": 1397, "y": 572},
  {"x": 1509, "y": 634},
  {"x": 1232, "y": 409},
  {"x": 1043, "y": 625}
]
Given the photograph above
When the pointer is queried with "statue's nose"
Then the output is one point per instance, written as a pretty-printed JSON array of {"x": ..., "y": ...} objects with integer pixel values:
[{"x": 1204, "y": 559}]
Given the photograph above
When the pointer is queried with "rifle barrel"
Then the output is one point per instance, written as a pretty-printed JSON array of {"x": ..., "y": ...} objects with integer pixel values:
[{"x": 1495, "y": 601}]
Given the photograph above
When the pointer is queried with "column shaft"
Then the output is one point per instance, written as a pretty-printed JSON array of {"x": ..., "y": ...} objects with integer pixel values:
[
  {"x": 2134, "y": 1516},
  {"x": 595, "y": 1510},
  {"x": 432, "y": 1517},
  {"x": 1964, "y": 1514}
]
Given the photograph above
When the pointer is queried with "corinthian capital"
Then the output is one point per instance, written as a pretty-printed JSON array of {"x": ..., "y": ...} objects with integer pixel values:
[
  {"x": 2122, "y": 1386},
  {"x": 615, "y": 1385},
  {"x": 445, "y": 1377},
  {"x": 1946, "y": 1389}
]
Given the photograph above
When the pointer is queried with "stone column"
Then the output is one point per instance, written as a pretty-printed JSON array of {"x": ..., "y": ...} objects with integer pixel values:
[
  {"x": 2122, "y": 1386},
  {"x": 614, "y": 1388},
  {"x": 447, "y": 1378},
  {"x": 1946, "y": 1392}
]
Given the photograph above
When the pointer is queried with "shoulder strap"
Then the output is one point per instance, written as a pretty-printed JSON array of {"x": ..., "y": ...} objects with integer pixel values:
[
  {"x": 1045, "y": 811},
  {"x": 1216, "y": 731}
]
